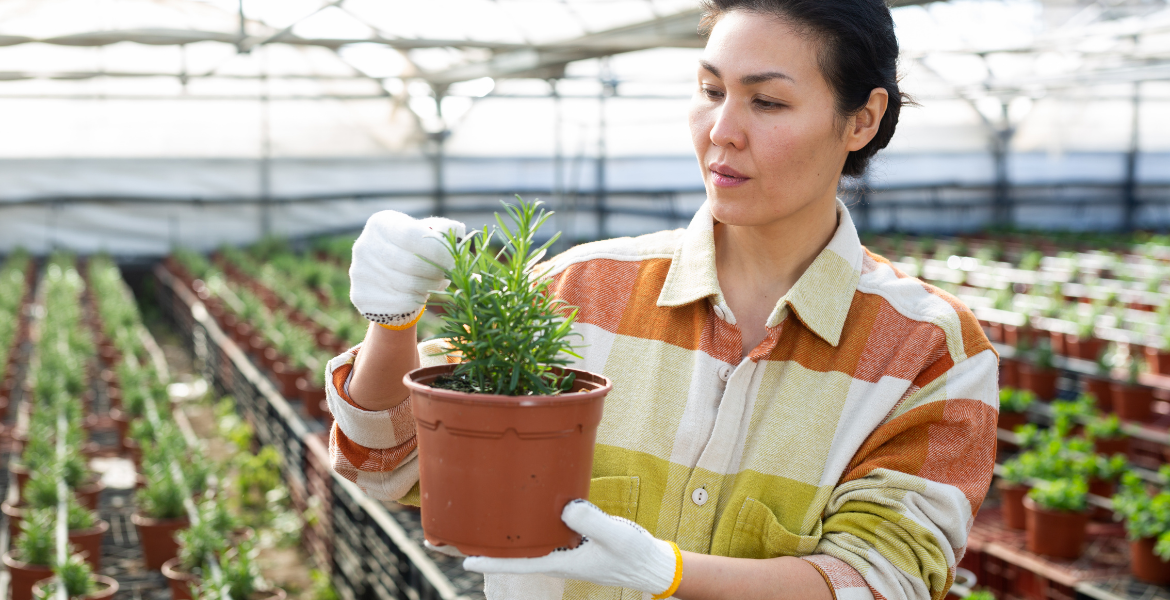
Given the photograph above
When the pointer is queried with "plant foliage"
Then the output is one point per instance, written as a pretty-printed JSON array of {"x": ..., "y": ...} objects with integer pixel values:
[
  {"x": 1067, "y": 495},
  {"x": 509, "y": 332}
]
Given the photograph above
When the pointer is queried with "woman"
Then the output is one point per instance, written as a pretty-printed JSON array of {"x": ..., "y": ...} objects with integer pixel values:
[{"x": 791, "y": 417}]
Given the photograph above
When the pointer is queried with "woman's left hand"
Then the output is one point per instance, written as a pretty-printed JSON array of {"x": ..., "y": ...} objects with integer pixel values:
[{"x": 613, "y": 552}]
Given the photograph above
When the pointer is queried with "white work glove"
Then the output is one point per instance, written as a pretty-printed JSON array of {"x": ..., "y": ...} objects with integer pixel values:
[
  {"x": 614, "y": 552},
  {"x": 389, "y": 283}
]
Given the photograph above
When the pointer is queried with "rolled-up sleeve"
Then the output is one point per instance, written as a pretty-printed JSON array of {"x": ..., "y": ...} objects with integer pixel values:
[
  {"x": 897, "y": 523},
  {"x": 377, "y": 450}
]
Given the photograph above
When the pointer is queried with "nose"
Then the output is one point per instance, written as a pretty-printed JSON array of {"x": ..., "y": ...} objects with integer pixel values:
[{"x": 728, "y": 129}]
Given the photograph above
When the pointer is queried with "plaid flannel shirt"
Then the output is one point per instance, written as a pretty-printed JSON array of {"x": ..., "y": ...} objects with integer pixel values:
[{"x": 859, "y": 435}]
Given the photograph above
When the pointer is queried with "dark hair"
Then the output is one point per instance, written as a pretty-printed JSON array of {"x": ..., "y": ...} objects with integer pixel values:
[{"x": 858, "y": 53}]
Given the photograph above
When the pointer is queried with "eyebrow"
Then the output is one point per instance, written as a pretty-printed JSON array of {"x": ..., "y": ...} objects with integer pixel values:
[{"x": 749, "y": 79}]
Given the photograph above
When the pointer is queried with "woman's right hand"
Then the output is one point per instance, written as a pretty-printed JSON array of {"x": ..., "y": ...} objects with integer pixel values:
[{"x": 389, "y": 282}]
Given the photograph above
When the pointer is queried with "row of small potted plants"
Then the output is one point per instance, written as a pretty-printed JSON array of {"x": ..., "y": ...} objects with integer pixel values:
[
  {"x": 50, "y": 452},
  {"x": 176, "y": 480},
  {"x": 16, "y": 280}
]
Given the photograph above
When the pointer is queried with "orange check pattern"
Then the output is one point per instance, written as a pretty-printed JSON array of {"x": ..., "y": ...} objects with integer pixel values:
[{"x": 859, "y": 435}]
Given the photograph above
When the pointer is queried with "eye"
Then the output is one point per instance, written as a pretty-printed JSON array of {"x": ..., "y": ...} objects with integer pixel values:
[
  {"x": 712, "y": 93},
  {"x": 767, "y": 104}
]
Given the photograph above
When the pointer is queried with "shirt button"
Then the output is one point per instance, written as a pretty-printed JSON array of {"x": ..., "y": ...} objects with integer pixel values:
[
  {"x": 699, "y": 496},
  {"x": 719, "y": 312},
  {"x": 724, "y": 372}
]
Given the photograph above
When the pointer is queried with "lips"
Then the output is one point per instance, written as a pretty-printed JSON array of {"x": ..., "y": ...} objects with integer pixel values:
[{"x": 725, "y": 176}]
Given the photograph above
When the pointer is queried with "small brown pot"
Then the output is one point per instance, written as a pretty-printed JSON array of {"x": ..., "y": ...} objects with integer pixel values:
[
  {"x": 179, "y": 580},
  {"x": 1013, "y": 503},
  {"x": 1058, "y": 346},
  {"x": 1053, "y": 533},
  {"x": 287, "y": 377},
  {"x": 1013, "y": 335},
  {"x": 22, "y": 475},
  {"x": 1041, "y": 382},
  {"x": 1132, "y": 402},
  {"x": 1083, "y": 348},
  {"x": 311, "y": 396},
  {"x": 496, "y": 471},
  {"x": 1009, "y": 372},
  {"x": 89, "y": 493},
  {"x": 1146, "y": 565},
  {"x": 107, "y": 587},
  {"x": 89, "y": 541},
  {"x": 1158, "y": 361},
  {"x": 1104, "y": 489},
  {"x": 15, "y": 515},
  {"x": 1112, "y": 446},
  {"x": 122, "y": 423},
  {"x": 23, "y": 575},
  {"x": 1100, "y": 389},
  {"x": 1011, "y": 420},
  {"x": 158, "y": 538}
]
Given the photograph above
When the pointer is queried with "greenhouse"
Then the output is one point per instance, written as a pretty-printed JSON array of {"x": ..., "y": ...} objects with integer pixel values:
[{"x": 221, "y": 221}]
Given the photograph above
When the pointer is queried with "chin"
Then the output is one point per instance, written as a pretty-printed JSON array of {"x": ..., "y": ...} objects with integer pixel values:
[{"x": 733, "y": 207}]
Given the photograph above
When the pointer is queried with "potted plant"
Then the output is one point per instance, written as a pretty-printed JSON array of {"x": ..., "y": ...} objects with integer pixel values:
[
  {"x": 31, "y": 558},
  {"x": 1158, "y": 358},
  {"x": 1013, "y": 407},
  {"x": 79, "y": 581},
  {"x": 1147, "y": 525},
  {"x": 160, "y": 514},
  {"x": 1039, "y": 374},
  {"x": 1107, "y": 435},
  {"x": 494, "y": 477},
  {"x": 1056, "y": 515},
  {"x": 1099, "y": 384},
  {"x": 1083, "y": 344},
  {"x": 1013, "y": 487},
  {"x": 197, "y": 544},
  {"x": 1131, "y": 400}
]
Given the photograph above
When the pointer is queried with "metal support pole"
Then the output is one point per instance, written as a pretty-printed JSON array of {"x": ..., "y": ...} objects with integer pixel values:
[
  {"x": 438, "y": 143},
  {"x": 243, "y": 33},
  {"x": 566, "y": 240},
  {"x": 607, "y": 88},
  {"x": 1129, "y": 187},
  {"x": 265, "y": 154},
  {"x": 1002, "y": 208}
]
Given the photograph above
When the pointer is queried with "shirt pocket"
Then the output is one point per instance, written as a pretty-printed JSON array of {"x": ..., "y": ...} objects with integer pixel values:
[
  {"x": 758, "y": 534},
  {"x": 616, "y": 495}
]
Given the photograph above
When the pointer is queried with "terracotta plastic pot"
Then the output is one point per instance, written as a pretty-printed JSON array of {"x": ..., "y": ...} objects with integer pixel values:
[
  {"x": 89, "y": 541},
  {"x": 1100, "y": 389},
  {"x": 1082, "y": 348},
  {"x": 1132, "y": 402},
  {"x": 121, "y": 423},
  {"x": 311, "y": 396},
  {"x": 1058, "y": 534},
  {"x": 1014, "y": 334},
  {"x": 180, "y": 581},
  {"x": 1009, "y": 373},
  {"x": 1104, "y": 489},
  {"x": 107, "y": 587},
  {"x": 1013, "y": 504},
  {"x": 286, "y": 376},
  {"x": 158, "y": 538},
  {"x": 1158, "y": 360},
  {"x": 89, "y": 493},
  {"x": 22, "y": 576},
  {"x": 1057, "y": 339},
  {"x": 496, "y": 471},
  {"x": 1112, "y": 446},
  {"x": 1146, "y": 565},
  {"x": 15, "y": 515},
  {"x": 1041, "y": 382},
  {"x": 22, "y": 476},
  {"x": 1011, "y": 420}
]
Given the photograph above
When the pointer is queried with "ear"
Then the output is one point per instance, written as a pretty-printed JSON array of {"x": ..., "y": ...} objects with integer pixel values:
[{"x": 864, "y": 124}]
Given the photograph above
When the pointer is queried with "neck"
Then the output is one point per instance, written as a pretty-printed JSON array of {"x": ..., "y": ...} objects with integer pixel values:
[{"x": 765, "y": 261}]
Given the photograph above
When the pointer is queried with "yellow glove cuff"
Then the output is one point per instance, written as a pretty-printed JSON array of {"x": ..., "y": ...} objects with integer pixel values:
[
  {"x": 406, "y": 326},
  {"x": 678, "y": 570}
]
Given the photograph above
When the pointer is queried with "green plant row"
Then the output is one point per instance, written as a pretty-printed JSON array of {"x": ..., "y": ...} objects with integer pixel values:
[{"x": 13, "y": 278}]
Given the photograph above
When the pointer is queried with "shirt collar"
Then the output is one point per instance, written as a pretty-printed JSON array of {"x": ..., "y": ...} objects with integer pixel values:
[{"x": 821, "y": 297}]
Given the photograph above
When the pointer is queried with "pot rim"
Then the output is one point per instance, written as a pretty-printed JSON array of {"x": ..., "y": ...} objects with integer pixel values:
[
  {"x": 140, "y": 519},
  {"x": 171, "y": 570},
  {"x": 10, "y": 561},
  {"x": 98, "y": 578},
  {"x": 102, "y": 526},
  {"x": 438, "y": 394},
  {"x": 1031, "y": 504}
]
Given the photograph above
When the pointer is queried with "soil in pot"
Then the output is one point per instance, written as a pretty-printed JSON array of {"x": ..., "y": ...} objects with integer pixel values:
[
  {"x": 106, "y": 588},
  {"x": 1058, "y": 534},
  {"x": 1146, "y": 565},
  {"x": 22, "y": 576},
  {"x": 89, "y": 541},
  {"x": 1012, "y": 506},
  {"x": 496, "y": 471},
  {"x": 1132, "y": 402},
  {"x": 158, "y": 538},
  {"x": 179, "y": 580},
  {"x": 1041, "y": 382}
]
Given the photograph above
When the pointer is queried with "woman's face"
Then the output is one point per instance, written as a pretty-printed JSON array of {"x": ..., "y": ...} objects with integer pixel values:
[{"x": 764, "y": 123}]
